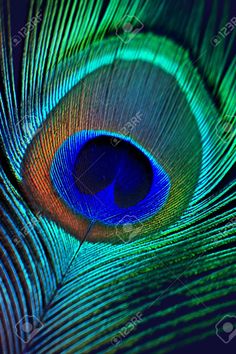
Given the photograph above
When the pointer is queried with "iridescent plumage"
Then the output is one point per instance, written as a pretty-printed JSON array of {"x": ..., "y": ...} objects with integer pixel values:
[{"x": 83, "y": 71}]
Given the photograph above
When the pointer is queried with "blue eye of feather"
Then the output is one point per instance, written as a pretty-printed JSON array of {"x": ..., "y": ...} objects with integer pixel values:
[{"x": 105, "y": 177}]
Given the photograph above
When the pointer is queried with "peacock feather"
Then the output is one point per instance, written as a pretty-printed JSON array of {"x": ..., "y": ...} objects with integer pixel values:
[{"x": 117, "y": 176}]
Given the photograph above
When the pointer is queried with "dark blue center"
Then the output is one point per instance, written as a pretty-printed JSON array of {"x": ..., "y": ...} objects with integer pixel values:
[
  {"x": 100, "y": 164},
  {"x": 108, "y": 178}
]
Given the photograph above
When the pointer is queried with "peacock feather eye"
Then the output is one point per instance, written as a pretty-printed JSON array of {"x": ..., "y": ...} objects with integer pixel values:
[
  {"x": 117, "y": 177},
  {"x": 125, "y": 144}
]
